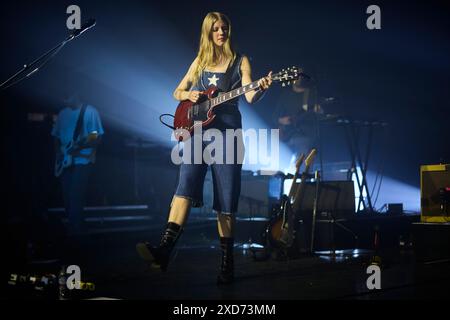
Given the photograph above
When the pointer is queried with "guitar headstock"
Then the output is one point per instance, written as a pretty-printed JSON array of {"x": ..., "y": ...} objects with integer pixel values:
[
  {"x": 310, "y": 158},
  {"x": 287, "y": 76},
  {"x": 299, "y": 161}
]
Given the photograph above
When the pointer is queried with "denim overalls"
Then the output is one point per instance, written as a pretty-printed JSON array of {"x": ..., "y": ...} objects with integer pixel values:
[{"x": 226, "y": 177}]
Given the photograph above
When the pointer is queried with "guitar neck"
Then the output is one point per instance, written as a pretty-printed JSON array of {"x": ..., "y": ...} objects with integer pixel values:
[
  {"x": 283, "y": 77},
  {"x": 293, "y": 189},
  {"x": 304, "y": 175},
  {"x": 234, "y": 94}
]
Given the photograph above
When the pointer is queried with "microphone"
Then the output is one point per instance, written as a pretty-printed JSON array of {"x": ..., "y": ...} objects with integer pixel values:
[{"x": 85, "y": 27}]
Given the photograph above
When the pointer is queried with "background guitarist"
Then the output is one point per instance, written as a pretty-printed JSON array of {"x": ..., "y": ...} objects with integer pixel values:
[
  {"x": 219, "y": 65},
  {"x": 295, "y": 116},
  {"x": 80, "y": 147}
]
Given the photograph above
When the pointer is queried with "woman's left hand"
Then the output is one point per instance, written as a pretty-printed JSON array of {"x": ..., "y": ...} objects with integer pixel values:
[{"x": 265, "y": 82}]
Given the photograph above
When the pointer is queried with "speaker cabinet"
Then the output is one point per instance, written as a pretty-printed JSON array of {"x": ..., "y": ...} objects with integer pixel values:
[
  {"x": 435, "y": 193},
  {"x": 259, "y": 194},
  {"x": 336, "y": 198}
]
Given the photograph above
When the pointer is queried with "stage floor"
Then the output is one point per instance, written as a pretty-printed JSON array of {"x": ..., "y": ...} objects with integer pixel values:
[{"x": 110, "y": 261}]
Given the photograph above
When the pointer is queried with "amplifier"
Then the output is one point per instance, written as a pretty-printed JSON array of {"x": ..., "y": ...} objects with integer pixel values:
[
  {"x": 435, "y": 193},
  {"x": 259, "y": 195},
  {"x": 336, "y": 198}
]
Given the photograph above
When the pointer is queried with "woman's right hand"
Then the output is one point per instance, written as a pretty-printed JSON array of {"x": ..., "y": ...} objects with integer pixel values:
[{"x": 194, "y": 96}]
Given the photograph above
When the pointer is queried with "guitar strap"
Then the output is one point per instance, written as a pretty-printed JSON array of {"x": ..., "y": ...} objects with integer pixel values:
[
  {"x": 231, "y": 71},
  {"x": 76, "y": 132}
]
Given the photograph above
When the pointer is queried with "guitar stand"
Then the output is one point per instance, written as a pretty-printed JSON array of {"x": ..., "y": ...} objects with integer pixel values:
[
  {"x": 315, "y": 205},
  {"x": 333, "y": 220}
]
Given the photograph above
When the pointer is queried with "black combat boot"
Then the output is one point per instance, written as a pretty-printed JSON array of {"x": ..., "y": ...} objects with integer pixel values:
[
  {"x": 226, "y": 275},
  {"x": 159, "y": 257}
]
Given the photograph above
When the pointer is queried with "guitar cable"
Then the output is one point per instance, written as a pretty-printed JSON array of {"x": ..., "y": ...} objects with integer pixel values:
[{"x": 166, "y": 115}]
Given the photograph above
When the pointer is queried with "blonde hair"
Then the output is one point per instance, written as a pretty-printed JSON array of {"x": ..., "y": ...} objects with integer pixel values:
[{"x": 208, "y": 53}]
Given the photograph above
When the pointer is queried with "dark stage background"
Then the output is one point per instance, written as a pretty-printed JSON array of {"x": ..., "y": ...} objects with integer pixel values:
[{"x": 130, "y": 63}]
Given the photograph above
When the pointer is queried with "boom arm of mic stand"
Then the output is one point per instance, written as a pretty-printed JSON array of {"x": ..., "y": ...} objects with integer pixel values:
[{"x": 34, "y": 66}]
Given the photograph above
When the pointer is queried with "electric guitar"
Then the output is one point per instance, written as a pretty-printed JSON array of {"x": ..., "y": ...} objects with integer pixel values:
[
  {"x": 64, "y": 156},
  {"x": 279, "y": 225},
  {"x": 297, "y": 198},
  {"x": 189, "y": 114},
  {"x": 282, "y": 229}
]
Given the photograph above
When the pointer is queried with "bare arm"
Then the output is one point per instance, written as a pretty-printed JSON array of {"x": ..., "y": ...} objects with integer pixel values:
[
  {"x": 246, "y": 71},
  {"x": 182, "y": 92}
]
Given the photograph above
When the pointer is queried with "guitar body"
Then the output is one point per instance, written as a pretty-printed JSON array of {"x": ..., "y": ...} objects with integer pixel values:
[
  {"x": 281, "y": 231},
  {"x": 189, "y": 114},
  {"x": 63, "y": 159},
  {"x": 279, "y": 235}
]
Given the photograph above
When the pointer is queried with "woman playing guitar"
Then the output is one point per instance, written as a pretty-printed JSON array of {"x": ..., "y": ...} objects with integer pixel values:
[{"x": 217, "y": 64}]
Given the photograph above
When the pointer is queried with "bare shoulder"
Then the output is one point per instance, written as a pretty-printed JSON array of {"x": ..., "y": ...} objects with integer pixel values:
[
  {"x": 192, "y": 68},
  {"x": 194, "y": 64}
]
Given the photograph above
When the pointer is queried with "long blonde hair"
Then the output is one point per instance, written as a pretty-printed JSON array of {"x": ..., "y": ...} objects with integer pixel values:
[{"x": 208, "y": 53}]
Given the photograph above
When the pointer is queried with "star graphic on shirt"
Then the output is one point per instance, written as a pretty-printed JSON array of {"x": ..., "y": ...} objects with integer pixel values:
[{"x": 213, "y": 80}]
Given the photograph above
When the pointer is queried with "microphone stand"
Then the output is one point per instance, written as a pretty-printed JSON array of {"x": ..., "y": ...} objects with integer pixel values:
[
  {"x": 34, "y": 66},
  {"x": 317, "y": 127}
]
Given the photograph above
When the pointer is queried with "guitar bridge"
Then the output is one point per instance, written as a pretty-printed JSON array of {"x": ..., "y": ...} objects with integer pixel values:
[{"x": 198, "y": 112}]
